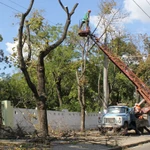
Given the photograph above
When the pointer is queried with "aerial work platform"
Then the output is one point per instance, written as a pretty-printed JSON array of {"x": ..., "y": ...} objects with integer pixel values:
[{"x": 84, "y": 33}]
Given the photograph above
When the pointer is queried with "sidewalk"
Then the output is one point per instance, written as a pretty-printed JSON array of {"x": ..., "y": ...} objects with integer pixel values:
[{"x": 131, "y": 141}]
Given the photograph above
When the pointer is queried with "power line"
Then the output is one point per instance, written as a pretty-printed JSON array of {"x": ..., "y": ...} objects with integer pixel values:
[
  {"x": 21, "y": 7},
  {"x": 26, "y": 9},
  {"x": 9, "y": 7},
  {"x": 148, "y": 2},
  {"x": 17, "y": 4},
  {"x": 141, "y": 8}
]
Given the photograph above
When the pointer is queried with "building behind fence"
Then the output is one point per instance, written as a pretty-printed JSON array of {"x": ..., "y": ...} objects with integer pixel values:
[{"x": 59, "y": 120}]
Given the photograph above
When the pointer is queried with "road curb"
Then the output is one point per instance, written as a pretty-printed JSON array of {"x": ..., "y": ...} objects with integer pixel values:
[{"x": 129, "y": 145}]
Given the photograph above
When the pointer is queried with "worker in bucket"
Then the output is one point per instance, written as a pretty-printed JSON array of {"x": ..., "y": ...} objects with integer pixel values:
[{"x": 85, "y": 20}]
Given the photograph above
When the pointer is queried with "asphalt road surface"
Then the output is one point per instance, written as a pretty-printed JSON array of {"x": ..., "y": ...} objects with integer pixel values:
[
  {"x": 141, "y": 147},
  {"x": 79, "y": 146}
]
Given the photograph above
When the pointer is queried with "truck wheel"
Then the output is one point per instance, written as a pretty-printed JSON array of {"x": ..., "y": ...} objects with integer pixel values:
[
  {"x": 116, "y": 130},
  {"x": 125, "y": 129},
  {"x": 102, "y": 130}
]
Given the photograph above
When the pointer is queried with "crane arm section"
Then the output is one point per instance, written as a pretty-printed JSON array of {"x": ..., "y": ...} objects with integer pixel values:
[{"x": 142, "y": 88}]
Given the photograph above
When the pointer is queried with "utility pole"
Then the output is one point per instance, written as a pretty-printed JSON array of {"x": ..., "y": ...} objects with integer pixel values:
[{"x": 105, "y": 78}]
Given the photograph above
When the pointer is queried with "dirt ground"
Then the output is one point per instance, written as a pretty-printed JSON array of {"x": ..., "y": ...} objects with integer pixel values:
[{"x": 74, "y": 138}]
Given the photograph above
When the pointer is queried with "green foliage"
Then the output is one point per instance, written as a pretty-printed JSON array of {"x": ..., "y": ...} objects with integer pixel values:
[
  {"x": 65, "y": 60},
  {"x": 15, "y": 89},
  {"x": 143, "y": 71},
  {"x": 122, "y": 90},
  {"x": 4, "y": 88},
  {"x": 36, "y": 23},
  {"x": 61, "y": 63},
  {"x": 41, "y": 32},
  {"x": 20, "y": 93}
]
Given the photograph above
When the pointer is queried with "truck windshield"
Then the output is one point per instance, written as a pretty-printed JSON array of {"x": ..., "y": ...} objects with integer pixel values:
[{"x": 115, "y": 110}]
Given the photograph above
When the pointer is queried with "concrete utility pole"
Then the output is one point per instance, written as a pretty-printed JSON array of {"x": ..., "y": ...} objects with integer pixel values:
[{"x": 105, "y": 78}]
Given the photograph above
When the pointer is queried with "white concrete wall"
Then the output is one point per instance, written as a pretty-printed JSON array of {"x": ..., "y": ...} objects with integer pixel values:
[
  {"x": 60, "y": 120},
  {"x": 7, "y": 113}
]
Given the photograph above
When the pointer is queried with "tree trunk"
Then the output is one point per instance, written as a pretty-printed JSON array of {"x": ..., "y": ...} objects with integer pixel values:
[
  {"x": 81, "y": 99},
  {"x": 100, "y": 100},
  {"x": 82, "y": 118},
  {"x": 83, "y": 109},
  {"x": 41, "y": 101},
  {"x": 42, "y": 117},
  {"x": 58, "y": 88},
  {"x": 1, "y": 122}
]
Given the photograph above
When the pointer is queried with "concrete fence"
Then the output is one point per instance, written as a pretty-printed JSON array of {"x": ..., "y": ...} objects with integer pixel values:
[{"x": 27, "y": 119}]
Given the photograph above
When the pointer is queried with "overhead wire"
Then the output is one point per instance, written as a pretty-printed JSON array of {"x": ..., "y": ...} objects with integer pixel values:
[
  {"x": 17, "y": 9},
  {"x": 141, "y": 8},
  {"x": 148, "y": 2},
  {"x": 9, "y": 7},
  {"x": 17, "y": 4},
  {"x": 26, "y": 9},
  {"x": 21, "y": 7}
]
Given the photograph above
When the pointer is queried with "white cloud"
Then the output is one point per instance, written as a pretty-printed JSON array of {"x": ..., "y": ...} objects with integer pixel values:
[
  {"x": 130, "y": 7},
  {"x": 12, "y": 49},
  {"x": 116, "y": 26},
  {"x": 94, "y": 22},
  {"x": 11, "y": 46},
  {"x": 134, "y": 8}
]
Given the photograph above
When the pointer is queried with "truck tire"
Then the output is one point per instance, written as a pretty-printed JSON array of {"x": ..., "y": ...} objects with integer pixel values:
[
  {"x": 116, "y": 130},
  {"x": 125, "y": 129},
  {"x": 102, "y": 130}
]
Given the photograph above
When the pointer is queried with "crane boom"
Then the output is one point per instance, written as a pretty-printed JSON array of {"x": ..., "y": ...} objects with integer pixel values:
[{"x": 142, "y": 88}]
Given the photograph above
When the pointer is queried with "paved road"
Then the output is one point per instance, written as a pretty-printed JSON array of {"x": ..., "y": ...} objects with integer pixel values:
[
  {"x": 79, "y": 146},
  {"x": 141, "y": 147}
]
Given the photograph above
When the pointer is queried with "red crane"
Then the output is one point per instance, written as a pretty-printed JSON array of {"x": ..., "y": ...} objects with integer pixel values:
[{"x": 142, "y": 88}]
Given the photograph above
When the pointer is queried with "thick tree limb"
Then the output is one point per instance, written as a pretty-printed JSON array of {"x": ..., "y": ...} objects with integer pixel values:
[
  {"x": 20, "y": 50},
  {"x": 28, "y": 42},
  {"x": 68, "y": 21}
]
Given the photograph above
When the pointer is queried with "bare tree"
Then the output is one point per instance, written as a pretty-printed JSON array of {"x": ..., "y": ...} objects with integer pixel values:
[
  {"x": 39, "y": 89},
  {"x": 82, "y": 80}
]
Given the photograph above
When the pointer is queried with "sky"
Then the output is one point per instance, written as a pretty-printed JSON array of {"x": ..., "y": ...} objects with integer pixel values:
[{"x": 138, "y": 20}]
